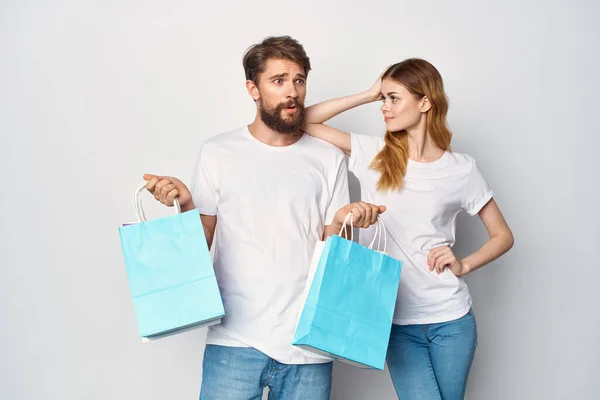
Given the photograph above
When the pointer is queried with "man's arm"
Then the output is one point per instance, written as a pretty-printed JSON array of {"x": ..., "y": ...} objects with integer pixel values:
[{"x": 209, "y": 223}]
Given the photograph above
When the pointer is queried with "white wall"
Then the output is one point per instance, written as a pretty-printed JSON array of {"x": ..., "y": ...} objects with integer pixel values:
[{"x": 95, "y": 93}]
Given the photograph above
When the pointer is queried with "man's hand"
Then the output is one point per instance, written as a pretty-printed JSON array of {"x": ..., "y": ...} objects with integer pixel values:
[
  {"x": 166, "y": 188},
  {"x": 363, "y": 214}
]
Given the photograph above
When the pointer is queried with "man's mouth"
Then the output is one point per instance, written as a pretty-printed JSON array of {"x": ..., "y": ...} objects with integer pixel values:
[{"x": 292, "y": 107}]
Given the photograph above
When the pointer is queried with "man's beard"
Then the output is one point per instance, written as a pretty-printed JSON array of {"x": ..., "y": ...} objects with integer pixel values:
[{"x": 272, "y": 117}]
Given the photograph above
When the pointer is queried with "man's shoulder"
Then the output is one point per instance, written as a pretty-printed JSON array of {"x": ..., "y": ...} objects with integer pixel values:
[
  {"x": 324, "y": 148},
  {"x": 225, "y": 138}
]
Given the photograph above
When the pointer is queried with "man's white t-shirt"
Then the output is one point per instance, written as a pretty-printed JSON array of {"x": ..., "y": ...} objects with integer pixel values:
[
  {"x": 421, "y": 216},
  {"x": 272, "y": 204}
]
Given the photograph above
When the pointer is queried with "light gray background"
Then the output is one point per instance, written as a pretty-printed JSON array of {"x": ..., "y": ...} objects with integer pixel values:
[{"x": 95, "y": 93}]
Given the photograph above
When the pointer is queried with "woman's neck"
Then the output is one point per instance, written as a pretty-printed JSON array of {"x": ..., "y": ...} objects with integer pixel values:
[{"x": 421, "y": 147}]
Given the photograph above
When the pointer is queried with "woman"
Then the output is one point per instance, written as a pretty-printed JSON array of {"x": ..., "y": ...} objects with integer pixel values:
[{"x": 424, "y": 185}]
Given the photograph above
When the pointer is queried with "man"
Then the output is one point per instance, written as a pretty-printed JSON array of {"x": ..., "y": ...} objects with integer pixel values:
[{"x": 273, "y": 192}]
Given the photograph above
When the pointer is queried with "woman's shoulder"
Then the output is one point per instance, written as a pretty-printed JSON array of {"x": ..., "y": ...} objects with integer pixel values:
[
  {"x": 460, "y": 159},
  {"x": 367, "y": 143}
]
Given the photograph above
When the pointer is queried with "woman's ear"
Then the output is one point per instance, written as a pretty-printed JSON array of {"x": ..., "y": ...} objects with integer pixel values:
[{"x": 425, "y": 104}]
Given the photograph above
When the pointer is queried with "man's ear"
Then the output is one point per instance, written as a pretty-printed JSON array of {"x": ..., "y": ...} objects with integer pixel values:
[{"x": 253, "y": 90}]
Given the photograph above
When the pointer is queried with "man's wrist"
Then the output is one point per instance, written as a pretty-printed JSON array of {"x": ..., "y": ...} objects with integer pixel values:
[{"x": 187, "y": 206}]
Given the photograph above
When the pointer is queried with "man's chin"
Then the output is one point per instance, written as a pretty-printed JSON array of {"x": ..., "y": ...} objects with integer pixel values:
[
  {"x": 291, "y": 124},
  {"x": 291, "y": 130},
  {"x": 289, "y": 116}
]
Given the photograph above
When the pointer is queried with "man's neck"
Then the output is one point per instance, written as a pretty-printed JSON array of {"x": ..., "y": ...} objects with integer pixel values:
[{"x": 263, "y": 133}]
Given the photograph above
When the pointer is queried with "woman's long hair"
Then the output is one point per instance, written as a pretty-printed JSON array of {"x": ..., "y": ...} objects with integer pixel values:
[{"x": 421, "y": 79}]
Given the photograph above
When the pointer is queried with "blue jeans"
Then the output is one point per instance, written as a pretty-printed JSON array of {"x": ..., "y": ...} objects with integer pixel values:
[
  {"x": 432, "y": 361},
  {"x": 242, "y": 373}
]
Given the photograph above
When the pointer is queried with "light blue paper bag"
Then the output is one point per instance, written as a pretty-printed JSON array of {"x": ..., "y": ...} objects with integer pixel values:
[
  {"x": 350, "y": 304},
  {"x": 170, "y": 272}
]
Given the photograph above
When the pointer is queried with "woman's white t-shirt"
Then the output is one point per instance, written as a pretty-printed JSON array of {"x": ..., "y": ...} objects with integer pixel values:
[{"x": 421, "y": 216}]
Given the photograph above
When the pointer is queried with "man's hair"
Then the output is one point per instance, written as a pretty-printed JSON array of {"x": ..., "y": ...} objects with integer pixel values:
[{"x": 274, "y": 47}]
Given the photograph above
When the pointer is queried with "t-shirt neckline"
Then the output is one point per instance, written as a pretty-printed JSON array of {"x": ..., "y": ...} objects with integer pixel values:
[
  {"x": 268, "y": 146},
  {"x": 428, "y": 165}
]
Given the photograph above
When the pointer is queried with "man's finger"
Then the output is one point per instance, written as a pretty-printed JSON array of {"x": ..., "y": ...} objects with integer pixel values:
[
  {"x": 151, "y": 185},
  {"x": 164, "y": 191},
  {"x": 172, "y": 195}
]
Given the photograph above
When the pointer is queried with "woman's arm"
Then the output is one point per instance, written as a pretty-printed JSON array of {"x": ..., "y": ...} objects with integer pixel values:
[
  {"x": 336, "y": 137},
  {"x": 317, "y": 114},
  {"x": 501, "y": 240}
]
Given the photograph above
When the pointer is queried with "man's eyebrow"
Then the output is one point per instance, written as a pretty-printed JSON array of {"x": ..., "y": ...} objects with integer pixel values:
[
  {"x": 279, "y": 76},
  {"x": 285, "y": 74}
]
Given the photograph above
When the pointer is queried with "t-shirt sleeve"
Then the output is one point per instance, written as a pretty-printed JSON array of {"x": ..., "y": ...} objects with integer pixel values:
[
  {"x": 340, "y": 194},
  {"x": 477, "y": 191},
  {"x": 203, "y": 189},
  {"x": 363, "y": 150}
]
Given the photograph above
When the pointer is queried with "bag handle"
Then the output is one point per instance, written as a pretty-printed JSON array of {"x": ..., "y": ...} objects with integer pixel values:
[
  {"x": 379, "y": 231},
  {"x": 345, "y": 229},
  {"x": 137, "y": 203}
]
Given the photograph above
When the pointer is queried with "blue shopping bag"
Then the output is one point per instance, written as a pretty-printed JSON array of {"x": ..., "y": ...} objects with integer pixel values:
[
  {"x": 171, "y": 277},
  {"x": 350, "y": 304}
]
